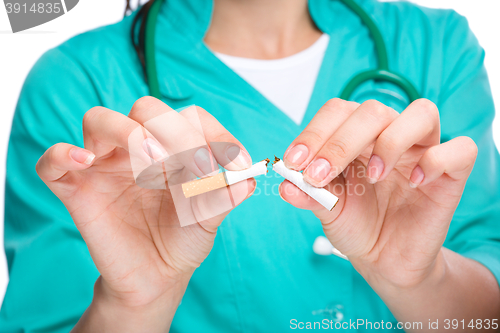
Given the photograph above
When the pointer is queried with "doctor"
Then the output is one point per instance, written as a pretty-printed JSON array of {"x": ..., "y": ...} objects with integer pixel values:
[{"x": 101, "y": 253}]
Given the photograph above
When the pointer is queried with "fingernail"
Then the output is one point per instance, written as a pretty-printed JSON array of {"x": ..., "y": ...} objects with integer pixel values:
[
  {"x": 279, "y": 192},
  {"x": 296, "y": 156},
  {"x": 318, "y": 170},
  {"x": 153, "y": 149},
  {"x": 239, "y": 157},
  {"x": 253, "y": 191},
  {"x": 417, "y": 176},
  {"x": 82, "y": 155},
  {"x": 204, "y": 161},
  {"x": 375, "y": 168}
]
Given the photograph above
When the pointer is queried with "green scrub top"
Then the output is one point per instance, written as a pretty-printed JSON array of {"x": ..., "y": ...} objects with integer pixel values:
[{"x": 262, "y": 273}]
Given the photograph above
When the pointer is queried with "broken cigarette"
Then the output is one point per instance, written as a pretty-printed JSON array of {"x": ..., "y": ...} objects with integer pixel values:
[
  {"x": 223, "y": 179},
  {"x": 324, "y": 197}
]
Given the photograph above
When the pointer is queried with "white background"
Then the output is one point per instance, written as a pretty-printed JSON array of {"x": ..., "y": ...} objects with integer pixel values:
[{"x": 18, "y": 53}]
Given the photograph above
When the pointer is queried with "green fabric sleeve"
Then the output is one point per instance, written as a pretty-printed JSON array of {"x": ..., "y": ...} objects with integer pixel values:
[
  {"x": 50, "y": 270},
  {"x": 467, "y": 108}
]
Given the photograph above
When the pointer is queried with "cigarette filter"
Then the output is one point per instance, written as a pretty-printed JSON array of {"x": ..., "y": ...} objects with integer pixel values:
[
  {"x": 324, "y": 197},
  {"x": 223, "y": 179}
]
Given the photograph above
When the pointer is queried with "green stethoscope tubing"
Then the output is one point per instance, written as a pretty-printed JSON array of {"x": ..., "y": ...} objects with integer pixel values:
[
  {"x": 381, "y": 73},
  {"x": 149, "y": 49}
]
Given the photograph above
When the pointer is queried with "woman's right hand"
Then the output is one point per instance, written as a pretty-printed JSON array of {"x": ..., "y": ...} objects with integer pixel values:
[{"x": 133, "y": 234}]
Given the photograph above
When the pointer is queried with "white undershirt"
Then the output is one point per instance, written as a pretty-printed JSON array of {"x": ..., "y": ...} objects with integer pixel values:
[{"x": 287, "y": 82}]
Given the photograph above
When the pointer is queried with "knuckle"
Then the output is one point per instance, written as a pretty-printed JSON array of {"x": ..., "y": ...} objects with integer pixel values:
[
  {"x": 336, "y": 105},
  {"x": 314, "y": 136},
  {"x": 54, "y": 152},
  {"x": 144, "y": 102},
  {"x": 433, "y": 157},
  {"x": 469, "y": 147},
  {"x": 388, "y": 142},
  {"x": 141, "y": 104},
  {"x": 49, "y": 157},
  {"x": 427, "y": 108},
  {"x": 38, "y": 166},
  {"x": 124, "y": 132},
  {"x": 199, "y": 110},
  {"x": 337, "y": 148},
  {"x": 377, "y": 110},
  {"x": 428, "y": 125},
  {"x": 424, "y": 103},
  {"x": 195, "y": 114},
  {"x": 91, "y": 115}
]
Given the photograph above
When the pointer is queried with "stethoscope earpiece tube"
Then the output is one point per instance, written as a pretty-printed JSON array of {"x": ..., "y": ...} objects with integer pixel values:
[
  {"x": 151, "y": 70},
  {"x": 382, "y": 73},
  {"x": 383, "y": 61}
]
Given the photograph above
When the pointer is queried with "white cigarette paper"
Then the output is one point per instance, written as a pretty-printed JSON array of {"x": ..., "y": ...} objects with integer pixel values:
[
  {"x": 223, "y": 179},
  {"x": 324, "y": 197},
  {"x": 233, "y": 177}
]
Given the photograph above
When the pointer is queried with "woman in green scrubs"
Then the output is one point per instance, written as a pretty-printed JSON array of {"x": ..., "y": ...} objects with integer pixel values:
[{"x": 89, "y": 250}]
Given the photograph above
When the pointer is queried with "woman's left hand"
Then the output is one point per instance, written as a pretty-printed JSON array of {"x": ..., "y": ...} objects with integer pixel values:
[{"x": 398, "y": 186}]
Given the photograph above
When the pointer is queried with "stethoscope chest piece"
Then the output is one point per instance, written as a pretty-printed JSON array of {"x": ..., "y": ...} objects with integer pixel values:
[{"x": 323, "y": 247}]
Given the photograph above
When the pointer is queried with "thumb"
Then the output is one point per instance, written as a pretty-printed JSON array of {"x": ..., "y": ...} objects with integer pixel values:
[
  {"x": 60, "y": 160},
  {"x": 296, "y": 197}
]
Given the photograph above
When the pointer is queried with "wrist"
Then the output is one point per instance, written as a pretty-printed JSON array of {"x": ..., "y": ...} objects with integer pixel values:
[
  {"x": 145, "y": 295},
  {"x": 112, "y": 312},
  {"x": 400, "y": 281},
  {"x": 455, "y": 287}
]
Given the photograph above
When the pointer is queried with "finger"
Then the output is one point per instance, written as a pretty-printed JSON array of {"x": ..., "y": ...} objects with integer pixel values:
[
  {"x": 61, "y": 158},
  {"x": 228, "y": 151},
  {"x": 454, "y": 158},
  {"x": 359, "y": 131},
  {"x": 183, "y": 142},
  {"x": 326, "y": 121},
  {"x": 104, "y": 130},
  {"x": 417, "y": 125},
  {"x": 166, "y": 124},
  {"x": 298, "y": 198}
]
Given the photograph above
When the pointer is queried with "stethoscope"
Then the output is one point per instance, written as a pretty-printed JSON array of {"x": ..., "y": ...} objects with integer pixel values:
[
  {"x": 381, "y": 73},
  {"x": 321, "y": 245}
]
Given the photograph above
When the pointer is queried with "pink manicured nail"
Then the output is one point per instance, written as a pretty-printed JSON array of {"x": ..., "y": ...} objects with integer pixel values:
[
  {"x": 318, "y": 170},
  {"x": 204, "y": 161},
  {"x": 82, "y": 155},
  {"x": 375, "y": 169},
  {"x": 417, "y": 176},
  {"x": 296, "y": 156},
  {"x": 153, "y": 149}
]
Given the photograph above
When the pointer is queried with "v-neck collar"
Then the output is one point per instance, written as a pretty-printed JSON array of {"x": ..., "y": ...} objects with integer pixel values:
[
  {"x": 190, "y": 19},
  {"x": 257, "y": 98},
  {"x": 264, "y": 102}
]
